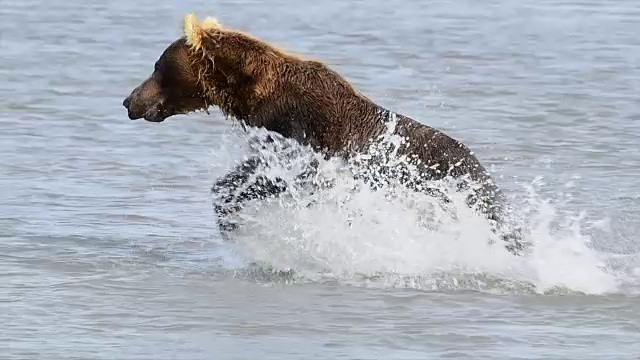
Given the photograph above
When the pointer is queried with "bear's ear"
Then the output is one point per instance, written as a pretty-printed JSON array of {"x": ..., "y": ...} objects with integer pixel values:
[{"x": 194, "y": 30}]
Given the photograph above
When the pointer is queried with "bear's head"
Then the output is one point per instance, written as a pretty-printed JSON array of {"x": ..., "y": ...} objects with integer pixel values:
[
  {"x": 171, "y": 89},
  {"x": 175, "y": 85},
  {"x": 208, "y": 66}
]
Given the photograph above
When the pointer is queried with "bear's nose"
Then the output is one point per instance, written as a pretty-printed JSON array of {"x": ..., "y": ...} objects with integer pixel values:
[{"x": 126, "y": 102}]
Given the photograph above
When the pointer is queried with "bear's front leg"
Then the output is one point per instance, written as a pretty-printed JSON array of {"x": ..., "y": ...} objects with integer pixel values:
[{"x": 242, "y": 184}]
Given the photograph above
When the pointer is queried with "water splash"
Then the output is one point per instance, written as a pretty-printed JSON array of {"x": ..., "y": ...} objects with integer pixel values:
[{"x": 395, "y": 237}]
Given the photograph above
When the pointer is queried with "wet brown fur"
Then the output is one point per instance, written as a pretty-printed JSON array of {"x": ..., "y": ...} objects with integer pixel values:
[{"x": 264, "y": 86}]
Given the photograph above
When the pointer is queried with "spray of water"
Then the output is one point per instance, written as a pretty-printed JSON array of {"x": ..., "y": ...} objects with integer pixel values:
[{"x": 349, "y": 233}]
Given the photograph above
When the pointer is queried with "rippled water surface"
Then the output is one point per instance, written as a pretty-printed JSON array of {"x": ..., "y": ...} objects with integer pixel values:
[{"x": 108, "y": 243}]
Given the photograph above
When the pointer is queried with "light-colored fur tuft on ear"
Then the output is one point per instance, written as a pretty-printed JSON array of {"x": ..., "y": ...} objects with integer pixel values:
[
  {"x": 210, "y": 23},
  {"x": 193, "y": 29}
]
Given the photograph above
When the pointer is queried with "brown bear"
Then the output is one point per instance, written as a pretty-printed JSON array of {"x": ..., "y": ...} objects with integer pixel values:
[{"x": 263, "y": 86}]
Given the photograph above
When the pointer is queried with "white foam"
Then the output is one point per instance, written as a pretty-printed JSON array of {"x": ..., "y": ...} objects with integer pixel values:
[{"x": 349, "y": 232}]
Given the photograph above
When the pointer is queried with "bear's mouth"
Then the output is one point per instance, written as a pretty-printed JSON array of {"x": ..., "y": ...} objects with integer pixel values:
[
  {"x": 156, "y": 114},
  {"x": 154, "y": 118},
  {"x": 150, "y": 115}
]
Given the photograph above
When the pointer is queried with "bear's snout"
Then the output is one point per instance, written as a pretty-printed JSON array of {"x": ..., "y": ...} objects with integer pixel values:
[
  {"x": 134, "y": 113},
  {"x": 145, "y": 101},
  {"x": 127, "y": 102}
]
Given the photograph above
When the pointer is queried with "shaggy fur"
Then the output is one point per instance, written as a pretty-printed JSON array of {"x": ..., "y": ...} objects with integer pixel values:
[{"x": 264, "y": 86}]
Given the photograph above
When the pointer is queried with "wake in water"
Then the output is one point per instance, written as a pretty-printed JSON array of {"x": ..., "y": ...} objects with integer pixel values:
[{"x": 340, "y": 229}]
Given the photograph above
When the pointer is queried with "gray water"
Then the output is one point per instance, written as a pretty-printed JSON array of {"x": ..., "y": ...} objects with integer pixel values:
[{"x": 108, "y": 244}]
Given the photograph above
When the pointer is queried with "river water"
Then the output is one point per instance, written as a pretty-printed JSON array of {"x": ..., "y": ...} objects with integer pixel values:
[{"x": 108, "y": 243}]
